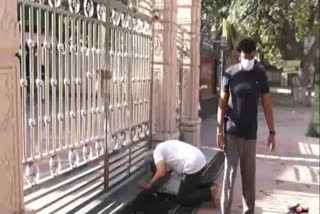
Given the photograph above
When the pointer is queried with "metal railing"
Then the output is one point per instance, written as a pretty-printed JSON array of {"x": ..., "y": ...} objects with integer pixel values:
[
  {"x": 71, "y": 115},
  {"x": 180, "y": 55},
  {"x": 61, "y": 54},
  {"x": 129, "y": 91}
]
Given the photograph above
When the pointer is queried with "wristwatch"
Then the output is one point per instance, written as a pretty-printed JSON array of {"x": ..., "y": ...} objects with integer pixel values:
[{"x": 272, "y": 133}]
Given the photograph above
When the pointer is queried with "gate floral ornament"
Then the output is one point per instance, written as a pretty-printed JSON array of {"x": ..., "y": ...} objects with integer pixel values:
[{"x": 74, "y": 6}]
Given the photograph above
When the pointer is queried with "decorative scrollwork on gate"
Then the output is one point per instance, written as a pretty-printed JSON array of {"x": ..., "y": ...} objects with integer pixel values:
[
  {"x": 73, "y": 158},
  {"x": 101, "y": 11},
  {"x": 114, "y": 143},
  {"x": 140, "y": 132},
  {"x": 115, "y": 17},
  {"x": 125, "y": 20},
  {"x": 55, "y": 165},
  {"x": 74, "y": 6},
  {"x": 32, "y": 173},
  {"x": 88, "y": 8},
  {"x": 124, "y": 138},
  {"x": 87, "y": 152},
  {"x": 134, "y": 24},
  {"x": 118, "y": 141},
  {"x": 55, "y": 3},
  {"x": 134, "y": 136},
  {"x": 146, "y": 130},
  {"x": 147, "y": 28},
  {"x": 99, "y": 148}
]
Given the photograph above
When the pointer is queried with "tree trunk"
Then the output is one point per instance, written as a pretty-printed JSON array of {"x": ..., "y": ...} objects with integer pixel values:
[
  {"x": 288, "y": 45},
  {"x": 308, "y": 65},
  {"x": 306, "y": 80}
]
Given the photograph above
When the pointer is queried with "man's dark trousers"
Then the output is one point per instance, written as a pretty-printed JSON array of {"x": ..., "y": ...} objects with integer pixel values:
[{"x": 192, "y": 192}]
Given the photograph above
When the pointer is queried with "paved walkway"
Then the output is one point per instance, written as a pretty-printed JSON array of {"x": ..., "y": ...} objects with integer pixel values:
[{"x": 288, "y": 176}]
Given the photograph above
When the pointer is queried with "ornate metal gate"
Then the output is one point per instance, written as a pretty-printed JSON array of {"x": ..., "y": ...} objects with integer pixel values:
[
  {"x": 129, "y": 92},
  {"x": 82, "y": 133}
]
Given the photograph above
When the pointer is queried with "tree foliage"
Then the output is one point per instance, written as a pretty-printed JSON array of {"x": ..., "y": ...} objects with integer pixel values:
[
  {"x": 278, "y": 26},
  {"x": 213, "y": 12}
]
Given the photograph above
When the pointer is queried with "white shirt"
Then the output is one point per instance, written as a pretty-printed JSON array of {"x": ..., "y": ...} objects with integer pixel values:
[{"x": 180, "y": 157}]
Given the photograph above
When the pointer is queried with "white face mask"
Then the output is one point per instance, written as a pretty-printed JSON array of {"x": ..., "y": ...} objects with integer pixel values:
[{"x": 247, "y": 64}]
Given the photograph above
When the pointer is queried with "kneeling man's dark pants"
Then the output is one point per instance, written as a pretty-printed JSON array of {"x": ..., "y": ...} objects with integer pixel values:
[{"x": 191, "y": 191}]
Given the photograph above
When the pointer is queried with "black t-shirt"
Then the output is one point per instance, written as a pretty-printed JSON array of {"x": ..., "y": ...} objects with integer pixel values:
[{"x": 244, "y": 88}]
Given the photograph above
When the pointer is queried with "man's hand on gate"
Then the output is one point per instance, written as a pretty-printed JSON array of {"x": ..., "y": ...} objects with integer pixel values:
[
  {"x": 220, "y": 141},
  {"x": 271, "y": 143},
  {"x": 145, "y": 186}
]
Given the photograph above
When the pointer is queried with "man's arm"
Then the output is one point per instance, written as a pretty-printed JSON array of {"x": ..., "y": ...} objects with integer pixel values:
[
  {"x": 268, "y": 112},
  {"x": 223, "y": 105},
  {"x": 160, "y": 173},
  {"x": 222, "y": 109}
]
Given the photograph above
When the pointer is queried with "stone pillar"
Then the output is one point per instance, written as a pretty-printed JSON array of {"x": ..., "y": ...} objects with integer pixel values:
[
  {"x": 11, "y": 185},
  {"x": 189, "y": 12},
  {"x": 165, "y": 67}
]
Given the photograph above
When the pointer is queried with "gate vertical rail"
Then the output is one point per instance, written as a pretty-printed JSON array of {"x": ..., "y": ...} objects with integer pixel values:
[
  {"x": 107, "y": 92},
  {"x": 179, "y": 84}
]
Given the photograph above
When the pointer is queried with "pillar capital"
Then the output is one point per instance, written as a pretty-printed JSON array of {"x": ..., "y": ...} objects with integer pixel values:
[{"x": 9, "y": 30}]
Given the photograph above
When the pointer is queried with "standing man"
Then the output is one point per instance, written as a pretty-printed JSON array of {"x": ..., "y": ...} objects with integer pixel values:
[{"x": 242, "y": 86}]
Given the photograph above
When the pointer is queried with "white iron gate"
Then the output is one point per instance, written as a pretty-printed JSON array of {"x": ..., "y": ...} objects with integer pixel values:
[
  {"x": 68, "y": 124},
  {"x": 129, "y": 92}
]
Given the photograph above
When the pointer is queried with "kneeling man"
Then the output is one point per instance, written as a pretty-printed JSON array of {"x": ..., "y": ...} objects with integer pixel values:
[{"x": 187, "y": 161}]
